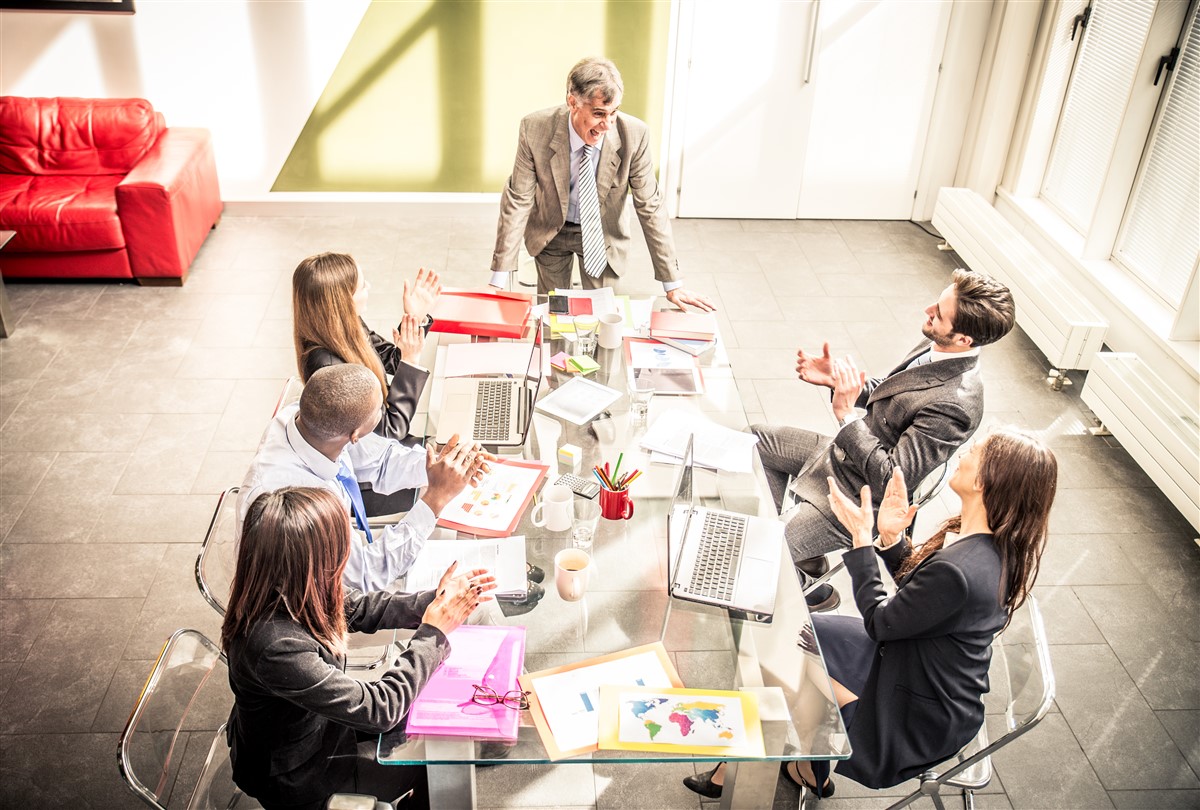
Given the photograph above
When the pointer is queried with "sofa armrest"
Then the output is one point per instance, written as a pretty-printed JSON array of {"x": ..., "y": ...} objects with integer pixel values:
[{"x": 168, "y": 203}]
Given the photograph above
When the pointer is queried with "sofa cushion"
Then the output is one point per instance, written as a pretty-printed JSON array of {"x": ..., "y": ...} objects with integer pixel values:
[
  {"x": 59, "y": 214},
  {"x": 75, "y": 136}
]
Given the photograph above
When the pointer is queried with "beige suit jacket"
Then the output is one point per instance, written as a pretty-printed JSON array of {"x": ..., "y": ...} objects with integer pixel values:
[{"x": 534, "y": 202}]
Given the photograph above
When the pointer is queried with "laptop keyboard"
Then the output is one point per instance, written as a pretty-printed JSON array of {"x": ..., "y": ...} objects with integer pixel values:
[
  {"x": 721, "y": 539},
  {"x": 493, "y": 407}
]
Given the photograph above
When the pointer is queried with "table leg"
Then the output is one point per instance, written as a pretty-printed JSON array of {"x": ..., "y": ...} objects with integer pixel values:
[
  {"x": 451, "y": 785},
  {"x": 7, "y": 322}
]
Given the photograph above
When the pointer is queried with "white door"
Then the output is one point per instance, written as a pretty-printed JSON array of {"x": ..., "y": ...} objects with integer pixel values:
[{"x": 761, "y": 142}]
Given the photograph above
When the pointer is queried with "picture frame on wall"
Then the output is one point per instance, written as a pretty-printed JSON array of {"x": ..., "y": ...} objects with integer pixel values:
[{"x": 110, "y": 6}]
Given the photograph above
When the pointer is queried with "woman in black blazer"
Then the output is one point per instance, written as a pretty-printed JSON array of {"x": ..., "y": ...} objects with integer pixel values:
[
  {"x": 301, "y": 729},
  {"x": 329, "y": 295},
  {"x": 910, "y": 675}
]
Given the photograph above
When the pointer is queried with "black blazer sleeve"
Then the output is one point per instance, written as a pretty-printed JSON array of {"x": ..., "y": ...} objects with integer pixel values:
[
  {"x": 368, "y": 612},
  {"x": 931, "y": 597},
  {"x": 389, "y": 353}
]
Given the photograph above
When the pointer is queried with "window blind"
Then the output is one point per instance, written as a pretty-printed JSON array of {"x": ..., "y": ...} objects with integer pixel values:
[
  {"x": 1160, "y": 237},
  {"x": 1095, "y": 104}
]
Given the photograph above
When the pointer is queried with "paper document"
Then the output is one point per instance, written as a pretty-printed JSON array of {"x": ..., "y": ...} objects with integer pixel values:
[
  {"x": 493, "y": 508},
  {"x": 466, "y": 359},
  {"x": 578, "y": 401},
  {"x": 716, "y": 446},
  {"x": 681, "y": 721},
  {"x": 569, "y": 698},
  {"x": 503, "y": 556}
]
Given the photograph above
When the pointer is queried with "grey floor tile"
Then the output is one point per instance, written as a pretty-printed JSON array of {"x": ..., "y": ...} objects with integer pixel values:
[
  {"x": 155, "y": 349},
  {"x": 69, "y": 498},
  {"x": 122, "y": 694},
  {"x": 247, "y": 413},
  {"x": 1184, "y": 728},
  {"x": 250, "y": 363},
  {"x": 28, "y": 429},
  {"x": 68, "y": 670},
  {"x": 169, "y": 455},
  {"x": 1162, "y": 657},
  {"x": 21, "y": 622},
  {"x": 651, "y": 785},
  {"x": 1087, "y": 559},
  {"x": 20, "y": 475},
  {"x": 1123, "y": 739},
  {"x": 221, "y": 470},
  {"x": 1155, "y": 799},
  {"x": 73, "y": 570},
  {"x": 32, "y": 772},
  {"x": 174, "y": 601},
  {"x": 1046, "y": 768},
  {"x": 153, "y": 519},
  {"x": 515, "y": 786}
]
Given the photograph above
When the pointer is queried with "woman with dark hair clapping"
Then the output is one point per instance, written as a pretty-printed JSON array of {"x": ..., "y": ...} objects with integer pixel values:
[
  {"x": 301, "y": 729},
  {"x": 910, "y": 675}
]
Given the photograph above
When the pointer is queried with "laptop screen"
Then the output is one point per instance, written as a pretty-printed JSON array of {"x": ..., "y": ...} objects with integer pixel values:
[{"x": 680, "y": 516}]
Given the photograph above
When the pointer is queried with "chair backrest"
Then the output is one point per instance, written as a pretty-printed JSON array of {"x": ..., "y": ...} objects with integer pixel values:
[
  {"x": 292, "y": 389},
  {"x": 177, "y": 727},
  {"x": 218, "y": 555},
  {"x": 931, "y": 485}
]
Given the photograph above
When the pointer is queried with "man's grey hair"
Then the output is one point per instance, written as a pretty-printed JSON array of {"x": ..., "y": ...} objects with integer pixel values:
[
  {"x": 595, "y": 76},
  {"x": 337, "y": 400}
]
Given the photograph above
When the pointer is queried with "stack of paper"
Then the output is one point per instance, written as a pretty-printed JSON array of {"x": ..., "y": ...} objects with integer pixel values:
[
  {"x": 578, "y": 401},
  {"x": 715, "y": 446},
  {"x": 583, "y": 364},
  {"x": 503, "y": 556}
]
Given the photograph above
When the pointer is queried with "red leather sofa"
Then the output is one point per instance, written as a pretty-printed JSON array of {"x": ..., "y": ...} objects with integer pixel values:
[{"x": 101, "y": 188}]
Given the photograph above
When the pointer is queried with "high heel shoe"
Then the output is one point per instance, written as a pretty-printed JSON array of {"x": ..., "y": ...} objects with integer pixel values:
[
  {"x": 703, "y": 784},
  {"x": 824, "y": 792}
]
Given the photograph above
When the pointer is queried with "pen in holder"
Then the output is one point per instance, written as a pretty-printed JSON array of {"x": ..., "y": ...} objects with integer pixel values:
[{"x": 615, "y": 503}]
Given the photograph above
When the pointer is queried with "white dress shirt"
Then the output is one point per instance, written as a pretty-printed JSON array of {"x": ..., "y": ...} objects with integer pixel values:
[{"x": 285, "y": 459}]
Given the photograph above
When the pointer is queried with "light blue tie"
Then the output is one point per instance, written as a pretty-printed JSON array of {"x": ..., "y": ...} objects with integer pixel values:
[
  {"x": 595, "y": 258},
  {"x": 350, "y": 484}
]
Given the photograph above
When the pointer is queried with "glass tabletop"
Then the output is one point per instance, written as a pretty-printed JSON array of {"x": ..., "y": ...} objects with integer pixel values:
[{"x": 626, "y": 603}]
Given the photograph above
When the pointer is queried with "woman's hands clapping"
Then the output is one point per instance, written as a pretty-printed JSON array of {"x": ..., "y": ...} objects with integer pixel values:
[
  {"x": 895, "y": 512},
  {"x": 457, "y": 597}
]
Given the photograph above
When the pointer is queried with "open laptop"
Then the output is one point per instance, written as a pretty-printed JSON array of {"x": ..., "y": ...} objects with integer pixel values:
[
  {"x": 722, "y": 558},
  {"x": 492, "y": 410}
]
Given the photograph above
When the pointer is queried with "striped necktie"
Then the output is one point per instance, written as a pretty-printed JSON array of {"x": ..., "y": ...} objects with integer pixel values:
[
  {"x": 595, "y": 259},
  {"x": 350, "y": 484}
]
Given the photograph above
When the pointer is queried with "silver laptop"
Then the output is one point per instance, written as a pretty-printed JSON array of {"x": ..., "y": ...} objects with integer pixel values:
[
  {"x": 721, "y": 558},
  {"x": 492, "y": 410}
]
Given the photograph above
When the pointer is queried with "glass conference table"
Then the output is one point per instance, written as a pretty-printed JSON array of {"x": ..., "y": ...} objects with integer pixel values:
[{"x": 626, "y": 603}]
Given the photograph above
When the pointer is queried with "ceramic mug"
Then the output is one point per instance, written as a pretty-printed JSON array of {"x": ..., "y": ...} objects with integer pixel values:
[
  {"x": 556, "y": 509},
  {"x": 616, "y": 504},
  {"x": 611, "y": 327},
  {"x": 572, "y": 567}
]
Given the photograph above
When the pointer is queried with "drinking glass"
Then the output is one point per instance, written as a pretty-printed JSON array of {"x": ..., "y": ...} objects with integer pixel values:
[
  {"x": 585, "y": 333},
  {"x": 583, "y": 526},
  {"x": 640, "y": 394}
]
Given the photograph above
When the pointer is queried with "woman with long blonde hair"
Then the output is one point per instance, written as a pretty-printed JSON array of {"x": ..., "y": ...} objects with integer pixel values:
[
  {"x": 329, "y": 296},
  {"x": 300, "y": 728}
]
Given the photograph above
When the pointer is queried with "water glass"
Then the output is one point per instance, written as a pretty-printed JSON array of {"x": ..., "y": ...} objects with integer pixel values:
[
  {"x": 640, "y": 394},
  {"x": 585, "y": 333},
  {"x": 583, "y": 527}
]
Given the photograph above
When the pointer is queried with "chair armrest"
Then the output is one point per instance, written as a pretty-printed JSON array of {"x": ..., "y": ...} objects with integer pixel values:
[{"x": 168, "y": 203}]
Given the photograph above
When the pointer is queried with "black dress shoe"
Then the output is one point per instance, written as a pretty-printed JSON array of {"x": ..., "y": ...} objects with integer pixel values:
[
  {"x": 703, "y": 784},
  {"x": 533, "y": 573},
  {"x": 815, "y": 567},
  {"x": 823, "y": 599}
]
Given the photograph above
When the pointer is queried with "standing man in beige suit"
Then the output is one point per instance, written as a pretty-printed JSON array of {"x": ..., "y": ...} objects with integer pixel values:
[{"x": 576, "y": 166}]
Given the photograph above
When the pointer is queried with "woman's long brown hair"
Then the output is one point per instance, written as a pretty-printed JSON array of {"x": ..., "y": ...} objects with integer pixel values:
[
  {"x": 1019, "y": 476},
  {"x": 294, "y": 548},
  {"x": 323, "y": 313}
]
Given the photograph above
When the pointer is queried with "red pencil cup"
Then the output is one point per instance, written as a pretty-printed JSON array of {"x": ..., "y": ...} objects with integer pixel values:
[{"x": 615, "y": 504}]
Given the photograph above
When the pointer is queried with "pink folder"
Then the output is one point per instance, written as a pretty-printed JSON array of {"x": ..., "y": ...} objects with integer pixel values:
[{"x": 444, "y": 706}]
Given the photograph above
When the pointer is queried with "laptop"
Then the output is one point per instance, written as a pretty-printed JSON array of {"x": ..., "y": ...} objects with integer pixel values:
[
  {"x": 492, "y": 410},
  {"x": 721, "y": 558}
]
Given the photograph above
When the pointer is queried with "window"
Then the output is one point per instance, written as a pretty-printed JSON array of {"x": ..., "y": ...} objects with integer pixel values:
[
  {"x": 1095, "y": 104},
  {"x": 1160, "y": 238}
]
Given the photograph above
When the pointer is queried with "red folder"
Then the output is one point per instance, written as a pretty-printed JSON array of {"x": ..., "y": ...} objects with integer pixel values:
[
  {"x": 670, "y": 323},
  {"x": 498, "y": 314}
]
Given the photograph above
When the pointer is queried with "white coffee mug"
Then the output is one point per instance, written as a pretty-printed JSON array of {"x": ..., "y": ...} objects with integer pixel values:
[
  {"x": 572, "y": 566},
  {"x": 611, "y": 326},
  {"x": 555, "y": 511}
]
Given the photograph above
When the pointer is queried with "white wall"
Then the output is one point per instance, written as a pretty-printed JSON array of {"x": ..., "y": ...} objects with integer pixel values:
[{"x": 250, "y": 71}]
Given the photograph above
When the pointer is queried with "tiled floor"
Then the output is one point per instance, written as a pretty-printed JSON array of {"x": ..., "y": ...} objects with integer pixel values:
[{"x": 125, "y": 410}]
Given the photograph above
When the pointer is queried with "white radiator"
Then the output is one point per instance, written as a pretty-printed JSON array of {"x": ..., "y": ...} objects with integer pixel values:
[
  {"x": 1153, "y": 423},
  {"x": 1063, "y": 324}
]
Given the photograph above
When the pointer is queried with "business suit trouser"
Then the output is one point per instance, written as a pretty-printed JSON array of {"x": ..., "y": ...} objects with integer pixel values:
[
  {"x": 557, "y": 260},
  {"x": 786, "y": 452}
]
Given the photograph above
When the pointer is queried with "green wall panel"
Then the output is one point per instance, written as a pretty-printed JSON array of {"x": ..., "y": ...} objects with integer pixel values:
[{"x": 429, "y": 93}]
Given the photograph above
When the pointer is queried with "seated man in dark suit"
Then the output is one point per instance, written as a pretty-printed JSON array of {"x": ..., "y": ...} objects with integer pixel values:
[{"x": 914, "y": 418}]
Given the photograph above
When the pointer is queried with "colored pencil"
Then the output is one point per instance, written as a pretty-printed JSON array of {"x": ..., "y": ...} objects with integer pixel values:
[{"x": 616, "y": 469}]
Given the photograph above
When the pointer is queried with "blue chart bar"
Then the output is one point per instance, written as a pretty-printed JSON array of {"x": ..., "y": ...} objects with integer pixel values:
[{"x": 587, "y": 702}]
